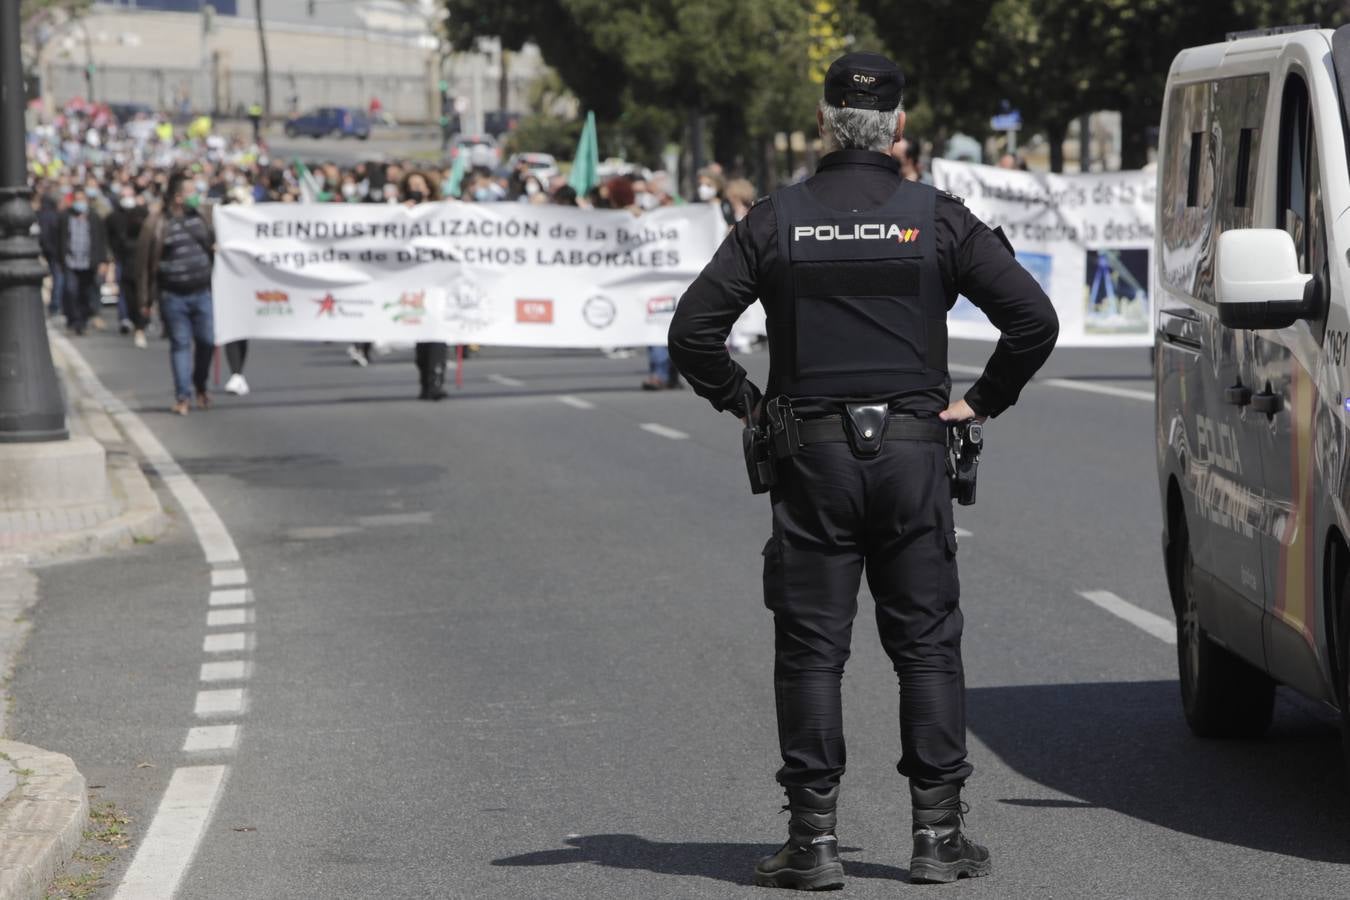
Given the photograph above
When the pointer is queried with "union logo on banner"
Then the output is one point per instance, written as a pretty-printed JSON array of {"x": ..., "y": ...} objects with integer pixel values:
[{"x": 534, "y": 312}]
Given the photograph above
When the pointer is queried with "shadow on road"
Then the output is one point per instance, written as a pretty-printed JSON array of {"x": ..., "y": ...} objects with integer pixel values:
[
  {"x": 1125, "y": 747},
  {"x": 723, "y": 862}
]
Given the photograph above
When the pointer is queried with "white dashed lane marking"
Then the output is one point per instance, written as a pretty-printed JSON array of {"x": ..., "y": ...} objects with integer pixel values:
[
  {"x": 962, "y": 533},
  {"x": 1162, "y": 629},
  {"x": 664, "y": 431},
  {"x": 230, "y": 642},
  {"x": 231, "y": 597},
  {"x": 576, "y": 402},
  {"x": 205, "y": 738},
  {"x": 171, "y": 841},
  {"x": 228, "y": 577},
  {"x": 217, "y": 618},
  {"x": 234, "y": 670},
  {"x": 506, "y": 380},
  {"x": 223, "y": 702},
  {"x": 1068, "y": 384}
]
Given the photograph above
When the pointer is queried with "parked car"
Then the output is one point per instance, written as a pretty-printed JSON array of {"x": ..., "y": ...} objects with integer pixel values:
[
  {"x": 482, "y": 149},
  {"x": 541, "y": 165},
  {"x": 1253, "y": 375},
  {"x": 125, "y": 112},
  {"x": 330, "y": 121}
]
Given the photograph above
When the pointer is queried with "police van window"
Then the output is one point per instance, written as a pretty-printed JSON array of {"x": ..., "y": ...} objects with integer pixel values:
[
  {"x": 1294, "y": 147},
  {"x": 1189, "y": 182},
  {"x": 1299, "y": 190},
  {"x": 1239, "y": 108}
]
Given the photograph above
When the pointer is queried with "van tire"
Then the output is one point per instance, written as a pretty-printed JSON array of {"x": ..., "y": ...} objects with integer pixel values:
[
  {"x": 1343, "y": 599},
  {"x": 1222, "y": 696}
]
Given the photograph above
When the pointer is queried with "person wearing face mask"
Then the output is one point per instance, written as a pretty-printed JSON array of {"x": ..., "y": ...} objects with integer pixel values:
[
  {"x": 83, "y": 251},
  {"x": 431, "y": 356},
  {"x": 173, "y": 268},
  {"x": 124, "y": 228},
  {"x": 531, "y": 191},
  {"x": 711, "y": 188}
]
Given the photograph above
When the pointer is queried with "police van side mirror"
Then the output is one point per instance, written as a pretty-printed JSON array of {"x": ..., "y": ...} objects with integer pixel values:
[{"x": 1259, "y": 284}]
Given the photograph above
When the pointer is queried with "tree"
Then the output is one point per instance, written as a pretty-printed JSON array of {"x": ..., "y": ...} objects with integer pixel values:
[
  {"x": 1055, "y": 60},
  {"x": 42, "y": 21}
]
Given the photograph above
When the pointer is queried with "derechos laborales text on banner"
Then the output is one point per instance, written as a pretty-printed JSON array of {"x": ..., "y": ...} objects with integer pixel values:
[
  {"x": 493, "y": 274},
  {"x": 549, "y": 276},
  {"x": 1086, "y": 238}
]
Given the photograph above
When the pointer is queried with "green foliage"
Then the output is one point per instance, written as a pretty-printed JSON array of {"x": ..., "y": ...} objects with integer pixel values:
[
  {"x": 544, "y": 133},
  {"x": 646, "y": 66},
  {"x": 1057, "y": 59}
]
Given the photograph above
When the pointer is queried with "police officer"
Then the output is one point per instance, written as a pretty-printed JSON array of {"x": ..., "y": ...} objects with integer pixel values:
[{"x": 856, "y": 269}]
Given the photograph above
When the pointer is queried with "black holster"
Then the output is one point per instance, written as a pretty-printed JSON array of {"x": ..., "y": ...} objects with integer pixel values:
[
  {"x": 757, "y": 445},
  {"x": 964, "y": 445}
]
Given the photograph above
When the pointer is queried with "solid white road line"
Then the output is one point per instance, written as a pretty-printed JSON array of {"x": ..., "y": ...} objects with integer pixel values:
[
  {"x": 217, "y": 618},
  {"x": 576, "y": 402},
  {"x": 1162, "y": 629},
  {"x": 202, "y": 738},
  {"x": 215, "y": 540},
  {"x": 222, "y": 702},
  {"x": 234, "y": 670},
  {"x": 231, "y": 597},
  {"x": 228, "y": 577},
  {"x": 230, "y": 642},
  {"x": 1067, "y": 383},
  {"x": 1108, "y": 390},
  {"x": 171, "y": 841},
  {"x": 962, "y": 533},
  {"x": 664, "y": 432},
  {"x": 506, "y": 380}
]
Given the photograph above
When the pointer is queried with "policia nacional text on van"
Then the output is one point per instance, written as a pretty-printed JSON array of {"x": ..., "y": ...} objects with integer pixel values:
[{"x": 856, "y": 269}]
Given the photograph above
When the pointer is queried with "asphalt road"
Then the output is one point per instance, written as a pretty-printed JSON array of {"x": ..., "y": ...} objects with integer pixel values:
[{"x": 512, "y": 646}]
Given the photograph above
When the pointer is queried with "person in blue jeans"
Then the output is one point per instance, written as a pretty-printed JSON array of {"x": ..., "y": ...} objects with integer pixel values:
[
  {"x": 174, "y": 255},
  {"x": 661, "y": 374}
]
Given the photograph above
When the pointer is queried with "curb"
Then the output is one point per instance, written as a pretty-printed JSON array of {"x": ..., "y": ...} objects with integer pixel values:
[
  {"x": 42, "y": 820},
  {"x": 142, "y": 517}
]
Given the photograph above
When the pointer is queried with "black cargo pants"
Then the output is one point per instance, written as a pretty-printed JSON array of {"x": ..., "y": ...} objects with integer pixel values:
[{"x": 834, "y": 518}]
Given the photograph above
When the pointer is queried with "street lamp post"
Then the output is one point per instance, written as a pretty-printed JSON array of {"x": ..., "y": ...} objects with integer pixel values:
[{"x": 31, "y": 408}]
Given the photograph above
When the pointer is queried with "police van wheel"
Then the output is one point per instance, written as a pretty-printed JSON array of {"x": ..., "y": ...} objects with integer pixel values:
[
  {"x": 1344, "y": 618},
  {"x": 1222, "y": 696}
]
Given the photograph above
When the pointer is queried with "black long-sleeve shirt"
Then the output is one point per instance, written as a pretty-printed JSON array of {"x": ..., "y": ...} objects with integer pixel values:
[{"x": 972, "y": 259}]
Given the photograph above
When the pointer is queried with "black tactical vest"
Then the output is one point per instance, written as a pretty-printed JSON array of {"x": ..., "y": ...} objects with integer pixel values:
[{"x": 859, "y": 310}]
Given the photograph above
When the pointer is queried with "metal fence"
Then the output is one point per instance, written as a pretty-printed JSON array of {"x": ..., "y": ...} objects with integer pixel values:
[{"x": 407, "y": 98}]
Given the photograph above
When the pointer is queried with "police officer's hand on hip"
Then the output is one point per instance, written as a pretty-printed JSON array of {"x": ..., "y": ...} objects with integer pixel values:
[{"x": 856, "y": 269}]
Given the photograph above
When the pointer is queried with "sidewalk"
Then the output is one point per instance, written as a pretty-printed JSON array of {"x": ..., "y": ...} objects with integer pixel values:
[
  {"x": 128, "y": 513},
  {"x": 45, "y": 806}
]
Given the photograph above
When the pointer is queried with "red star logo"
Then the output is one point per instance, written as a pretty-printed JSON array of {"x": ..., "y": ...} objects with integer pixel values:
[{"x": 327, "y": 306}]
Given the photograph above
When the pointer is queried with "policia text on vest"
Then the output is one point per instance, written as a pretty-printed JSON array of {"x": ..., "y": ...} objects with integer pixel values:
[{"x": 856, "y": 269}]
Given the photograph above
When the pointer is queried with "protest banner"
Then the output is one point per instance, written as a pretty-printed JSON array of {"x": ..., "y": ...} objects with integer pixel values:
[
  {"x": 492, "y": 274},
  {"x": 1085, "y": 238}
]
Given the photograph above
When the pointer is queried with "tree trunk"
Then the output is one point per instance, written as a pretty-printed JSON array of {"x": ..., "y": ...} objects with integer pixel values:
[
  {"x": 1134, "y": 137},
  {"x": 1054, "y": 133},
  {"x": 504, "y": 85},
  {"x": 266, "y": 69}
]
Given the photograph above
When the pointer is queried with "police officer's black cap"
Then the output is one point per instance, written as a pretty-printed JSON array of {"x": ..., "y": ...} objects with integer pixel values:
[{"x": 864, "y": 81}]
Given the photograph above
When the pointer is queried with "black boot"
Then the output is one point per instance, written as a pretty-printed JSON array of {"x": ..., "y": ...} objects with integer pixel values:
[
  {"x": 809, "y": 861},
  {"x": 435, "y": 389},
  {"x": 941, "y": 852}
]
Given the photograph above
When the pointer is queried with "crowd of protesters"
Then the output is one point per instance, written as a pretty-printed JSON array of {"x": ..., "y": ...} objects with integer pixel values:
[{"x": 125, "y": 207}]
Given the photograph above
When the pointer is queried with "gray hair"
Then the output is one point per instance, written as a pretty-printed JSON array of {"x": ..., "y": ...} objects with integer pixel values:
[{"x": 847, "y": 128}]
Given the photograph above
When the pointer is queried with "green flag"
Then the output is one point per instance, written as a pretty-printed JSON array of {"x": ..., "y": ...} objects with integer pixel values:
[
  {"x": 311, "y": 189},
  {"x": 456, "y": 179},
  {"x": 585, "y": 167}
]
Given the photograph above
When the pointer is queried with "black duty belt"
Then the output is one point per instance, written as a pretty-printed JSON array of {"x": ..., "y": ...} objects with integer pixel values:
[{"x": 830, "y": 430}]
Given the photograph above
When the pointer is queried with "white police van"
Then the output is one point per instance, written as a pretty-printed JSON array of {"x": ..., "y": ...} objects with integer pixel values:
[{"x": 1252, "y": 276}]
